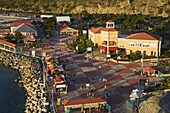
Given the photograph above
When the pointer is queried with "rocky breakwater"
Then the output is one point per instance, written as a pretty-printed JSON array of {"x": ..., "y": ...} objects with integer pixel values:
[{"x": 31, "y": 79}]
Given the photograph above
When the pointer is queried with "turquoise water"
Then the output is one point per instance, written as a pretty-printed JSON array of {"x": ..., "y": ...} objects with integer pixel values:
[{"x": 12, "y": 97}]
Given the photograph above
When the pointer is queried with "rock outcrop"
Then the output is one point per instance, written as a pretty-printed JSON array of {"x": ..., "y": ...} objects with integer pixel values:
[
  {"x": 156, "y": 104},
  {"x": 152, "y": 7}
]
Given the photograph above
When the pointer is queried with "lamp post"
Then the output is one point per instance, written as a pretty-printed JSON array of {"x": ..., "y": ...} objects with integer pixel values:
[
  {"x": 118, "y": 58},
  {"x": 52, "y": 99},
  {"x": 44, "y": 78},
  {"x": 142, "y": 71}
]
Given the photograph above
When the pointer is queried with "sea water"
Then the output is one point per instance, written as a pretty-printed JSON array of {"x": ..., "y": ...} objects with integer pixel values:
[{"x": 12, "y": 97}]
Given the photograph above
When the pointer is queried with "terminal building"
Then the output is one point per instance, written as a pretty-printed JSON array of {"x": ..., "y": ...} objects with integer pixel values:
[{"x": 109, "y": 40}]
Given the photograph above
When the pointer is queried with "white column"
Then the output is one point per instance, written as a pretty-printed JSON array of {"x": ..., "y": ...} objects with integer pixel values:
[{"x": 108, "y": 44}]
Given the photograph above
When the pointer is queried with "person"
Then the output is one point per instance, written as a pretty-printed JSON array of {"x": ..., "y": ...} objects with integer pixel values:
[
  {"x": 134, "y": 108},
  {"x": 134, "y": 70}
]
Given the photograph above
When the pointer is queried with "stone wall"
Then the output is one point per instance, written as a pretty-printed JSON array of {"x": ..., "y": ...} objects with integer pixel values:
[{"x": 31, "y": 79}]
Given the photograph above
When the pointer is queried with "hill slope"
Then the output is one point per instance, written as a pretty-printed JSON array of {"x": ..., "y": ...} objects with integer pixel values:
[{"x": 153, "y": 7}]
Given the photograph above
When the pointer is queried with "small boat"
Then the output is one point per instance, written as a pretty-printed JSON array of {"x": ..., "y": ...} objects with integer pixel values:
[{"x": 16, "y": 80}]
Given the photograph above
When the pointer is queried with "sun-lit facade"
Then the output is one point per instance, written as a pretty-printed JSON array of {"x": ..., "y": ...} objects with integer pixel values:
[{"x": 110, "y": 40}]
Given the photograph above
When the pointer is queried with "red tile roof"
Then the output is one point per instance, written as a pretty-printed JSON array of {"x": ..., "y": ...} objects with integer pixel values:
[
  {"x": 83, "y": 101},
  {"x": 7, "y": 43},
  {"x": 98, "y": 30},
  {"x": 150, "y": 69},
  {"x": 108, "y": 29},
  {"x": 64, "y": 26},
  {"x": 19, "y": 22},
  {"x": 109, "y": 21},
  {"x": 30, "y": 38},
  {"x": 59, "y": 79},
  {"x": 142, "y": 36}
]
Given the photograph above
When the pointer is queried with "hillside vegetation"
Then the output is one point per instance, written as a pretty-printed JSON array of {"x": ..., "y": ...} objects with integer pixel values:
[{"x": 153, "y": 7}]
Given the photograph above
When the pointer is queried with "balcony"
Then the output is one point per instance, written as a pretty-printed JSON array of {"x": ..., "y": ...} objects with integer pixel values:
[{"x": 111, "y": 43}]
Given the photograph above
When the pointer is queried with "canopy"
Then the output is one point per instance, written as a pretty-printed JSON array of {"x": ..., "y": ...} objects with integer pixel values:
[
  {"x": 135, "y": 94},
  {"x": 150, "y": 69},
  {"x": 60, "y": 68},
  {"x": 50, "y": 68}
]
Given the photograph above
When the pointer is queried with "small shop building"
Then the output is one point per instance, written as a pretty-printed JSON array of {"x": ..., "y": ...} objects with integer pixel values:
[
  {"x": 60, "y": 84},
  {"x": 94, "y": 104},
  {"x": 8, "y": 46}
]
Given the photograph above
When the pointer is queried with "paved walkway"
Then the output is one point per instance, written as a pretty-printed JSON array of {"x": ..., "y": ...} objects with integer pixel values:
[{"x": 107, "y": 79}]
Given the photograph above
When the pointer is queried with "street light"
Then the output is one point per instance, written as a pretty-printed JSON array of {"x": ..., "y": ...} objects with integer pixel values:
[
  {"x": 44, "y": 78},
  {"x": 52, "y": 97}
]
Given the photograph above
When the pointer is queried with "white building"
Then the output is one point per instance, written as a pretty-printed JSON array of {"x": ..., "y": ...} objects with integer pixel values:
[{"x": 63, "y": 18}]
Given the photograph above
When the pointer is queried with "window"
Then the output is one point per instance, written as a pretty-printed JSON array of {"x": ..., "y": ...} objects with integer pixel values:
[
  {"x": 121, "y": 46},
  {"x": 154, "y": 53},
  {"x": 11, "y": 49},
  {"x": 144, "y": 53},
  {"x": 138, "y": 53},
  {"x": 145, "y": 44},
  {"x": 153, "y": 45},
  {"x": 1, "y": 45},
  {"x": 131, "y": 44},
  {"x": 151, "y": 53},
  {"x": 139, "y": 44},
  {"x": 130, "y": 51},
  {"x": 6, "y": 47}
]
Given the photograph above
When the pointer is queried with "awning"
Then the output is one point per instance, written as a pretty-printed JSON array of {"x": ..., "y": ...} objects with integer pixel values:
[
  {"x": 102, "y": 47},
  {"x": 135, "y": 93},
  {"x": 113, "y": 48},
  {"x": 50, "y": 68},
  {"x": 60, "y": 68},
  {"x": 91, "y": 105},
  {"x": 150, "y": 69},
  {"x": 105, "y": 47}
]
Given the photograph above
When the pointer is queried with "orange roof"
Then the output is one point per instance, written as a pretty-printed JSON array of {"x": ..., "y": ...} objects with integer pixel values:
[
  {"x": 109, "y": 21},
  {"x": 83, "y": 101},
  {"x": 30, "y": 38},
  {"x": 108, "y": 29},
  {"x": 50, "y": 68},
  {"x": 7, "y": 43},
  {"x": 98, "y": 30},
  {"x": 59, "y": 79},
  {"x": 64, "y": 26},
  {"x": 102, "y": 47},
  {"x": 150, "y": 69},
  {"x": 19, "y": 22},
  {"x": 142, "y": 36}
]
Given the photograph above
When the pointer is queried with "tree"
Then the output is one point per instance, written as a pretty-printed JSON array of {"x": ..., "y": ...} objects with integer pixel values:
[{"x": 89, "y": 43}]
